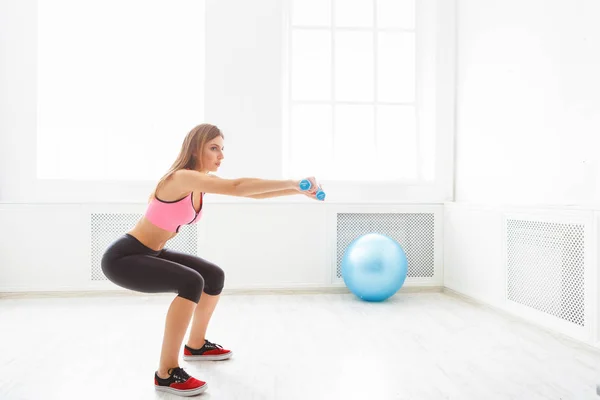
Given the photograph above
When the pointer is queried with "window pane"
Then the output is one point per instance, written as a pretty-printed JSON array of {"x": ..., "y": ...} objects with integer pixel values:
[
  {"x": 354, "y": 13},
  {"x": 354, "y": 66},
  {"x": 311, "y": 65},
  {"x": 311, "y": 141},
  {"x": 355, "y": 155},
  {"x": 83, "y": 157},
  {"x": 48, "y": 155},
  {"x": 311, "y": 12},
  {"x": 106, "y": 95},
  {"x": 86, "y": 156},
  {"x": 396, "y": 14},
  {"x": 168, "y": 148},
  {"x": 396, "y": 67},
  {"x": 397, "y": 144}
]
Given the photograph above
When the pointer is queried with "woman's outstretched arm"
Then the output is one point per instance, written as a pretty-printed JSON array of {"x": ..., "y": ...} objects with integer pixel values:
[{"x": 243, "y": 187}]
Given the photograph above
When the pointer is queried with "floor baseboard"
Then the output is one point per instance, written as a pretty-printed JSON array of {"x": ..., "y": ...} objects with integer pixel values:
[{"x": 226, "y": 292}]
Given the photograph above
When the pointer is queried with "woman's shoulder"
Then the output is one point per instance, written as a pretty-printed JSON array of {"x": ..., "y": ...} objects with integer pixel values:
[
  {"x": 175, "y": 183},
  {"x": 190, "y": 174},
  {"x": 183, "y": 172},
  {"x": 188, "y": 179}
]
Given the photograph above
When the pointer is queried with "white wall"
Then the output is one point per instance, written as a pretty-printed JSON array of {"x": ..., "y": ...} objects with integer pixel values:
[
  {"x": 597, "y": 287},
  {"x": 528, "y": 131},
  {"x": 47, "y": 247},
  {"x": 243, "y": 83},
  {"x": 44, "y": 243},
  {"x": 528, "y": 126},
  {"x": 473, "y": 252},
  {"x": 17, "y": 98}
]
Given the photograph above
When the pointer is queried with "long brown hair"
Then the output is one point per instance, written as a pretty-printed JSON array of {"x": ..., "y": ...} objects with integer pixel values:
[{"x": 193, "y": 143}]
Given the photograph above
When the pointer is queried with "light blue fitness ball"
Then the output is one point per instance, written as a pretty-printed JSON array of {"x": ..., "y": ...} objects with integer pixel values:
[{"x": 374, "y": 267}]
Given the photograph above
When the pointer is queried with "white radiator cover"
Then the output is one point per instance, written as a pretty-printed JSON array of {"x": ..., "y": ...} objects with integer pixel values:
[
  {"x": 549, "y": 270},
  {"x": 416, "y": 228}
]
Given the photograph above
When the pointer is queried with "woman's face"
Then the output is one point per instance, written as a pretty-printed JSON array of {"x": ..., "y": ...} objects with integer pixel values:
[{"x": 212, "y": 156}]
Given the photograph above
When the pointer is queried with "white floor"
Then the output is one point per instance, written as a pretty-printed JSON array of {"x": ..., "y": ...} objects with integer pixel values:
[{"x": 287, "y": 347}]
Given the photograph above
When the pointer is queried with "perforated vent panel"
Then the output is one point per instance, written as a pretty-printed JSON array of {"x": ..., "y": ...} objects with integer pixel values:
[
  {"x": 546, "y": 267},
  {"x": 108, "y": 227},
  {"x": 415, "y": 232}
]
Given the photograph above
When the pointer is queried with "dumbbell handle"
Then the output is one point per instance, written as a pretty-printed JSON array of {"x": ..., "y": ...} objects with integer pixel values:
[{"x": 306, "y": 185}]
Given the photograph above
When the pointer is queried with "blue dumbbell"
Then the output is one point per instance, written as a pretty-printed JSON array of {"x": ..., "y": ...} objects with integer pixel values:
[{"x": 306, "y": 185}]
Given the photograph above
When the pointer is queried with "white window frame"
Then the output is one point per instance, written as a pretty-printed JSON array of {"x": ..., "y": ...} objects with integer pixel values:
[{"x": 435, "y": 32}]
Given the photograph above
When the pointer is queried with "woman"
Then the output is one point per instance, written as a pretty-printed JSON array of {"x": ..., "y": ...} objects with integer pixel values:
[{"x": 139, "y": 261}]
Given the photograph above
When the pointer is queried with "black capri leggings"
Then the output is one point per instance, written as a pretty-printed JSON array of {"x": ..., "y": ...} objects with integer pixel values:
[{"x": 128, "y": 263}]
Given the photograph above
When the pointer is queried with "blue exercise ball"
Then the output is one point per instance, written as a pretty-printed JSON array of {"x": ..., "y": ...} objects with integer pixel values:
[{"x": 374, "y": 267}]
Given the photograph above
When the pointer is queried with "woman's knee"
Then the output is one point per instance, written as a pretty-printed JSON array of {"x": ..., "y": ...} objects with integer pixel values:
[
  {"x": 191, "y": 287},
  {"x": 215, "y": 282}
]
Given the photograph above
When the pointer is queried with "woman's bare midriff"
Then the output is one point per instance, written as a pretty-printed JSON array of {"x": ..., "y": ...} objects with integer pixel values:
[{"x": 151, "y": 235}]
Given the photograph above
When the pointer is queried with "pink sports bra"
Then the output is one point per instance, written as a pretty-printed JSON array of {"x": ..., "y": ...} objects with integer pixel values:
[{"x": 170, "y": 215}]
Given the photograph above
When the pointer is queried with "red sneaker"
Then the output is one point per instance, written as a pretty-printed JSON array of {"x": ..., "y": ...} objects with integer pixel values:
[
  {"x": 179, "y": 383},
  {"x": 209, "y": 351}
]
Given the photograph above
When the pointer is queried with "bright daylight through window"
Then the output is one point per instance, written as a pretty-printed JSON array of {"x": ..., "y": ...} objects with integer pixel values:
[{"x": 352, "y": 88}]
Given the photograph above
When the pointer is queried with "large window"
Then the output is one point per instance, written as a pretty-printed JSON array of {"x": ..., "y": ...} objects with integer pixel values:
[
  {"x": 353, "y": 91},
  {"x": 120, "y": 83}
]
